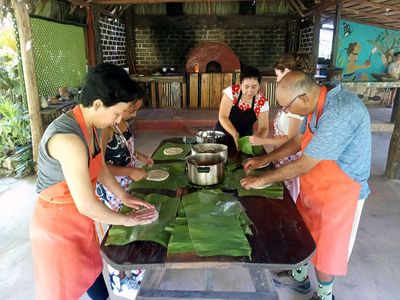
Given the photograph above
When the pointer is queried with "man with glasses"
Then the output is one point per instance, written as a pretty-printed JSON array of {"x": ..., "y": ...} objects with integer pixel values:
[{"x": 335, "y": 139}]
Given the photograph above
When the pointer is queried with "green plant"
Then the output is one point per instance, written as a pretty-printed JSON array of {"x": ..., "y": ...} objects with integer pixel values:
[{"x": 15, "y": 137}]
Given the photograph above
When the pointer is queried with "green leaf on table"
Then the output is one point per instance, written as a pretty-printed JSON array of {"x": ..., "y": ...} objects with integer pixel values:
[
  {"x": 180, "y": 241},
  {"x": 247, "y": 148},
  {"x": 214, "y": 224},
  {"x": 159, "y": 154},
  {"x": 177, "y": 177},
  {"x": 166, "y": 206}
]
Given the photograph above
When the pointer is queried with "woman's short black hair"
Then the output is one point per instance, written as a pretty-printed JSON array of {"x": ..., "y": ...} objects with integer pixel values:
[
  {"x": 250, "y": 72},
  {"x": 111, "y": 84}
]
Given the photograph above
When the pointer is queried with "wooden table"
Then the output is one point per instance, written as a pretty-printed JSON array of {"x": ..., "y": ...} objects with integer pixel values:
[{"x": 280, "y": 240}]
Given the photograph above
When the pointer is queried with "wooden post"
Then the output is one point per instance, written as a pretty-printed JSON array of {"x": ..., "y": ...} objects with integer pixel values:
[
  {"x": 396, "y": 104},
  {"x": 336, "y": 34},
  {"x": 90, "y": 39},
  {"x": 393, "y": 161},
  {"x": 130, "y": 40},
  {"x": 28, "y": 66},
  {"x": 317, "y": 29}
]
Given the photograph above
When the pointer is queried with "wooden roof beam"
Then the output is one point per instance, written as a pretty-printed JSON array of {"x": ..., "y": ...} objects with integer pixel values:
[
  {"x": 118, "y": 2},
  {"x": 296, "y": 7},
  {"x": 81, "y": 3},
  {"x": 359, "y": 13},
  {"x": 317, "y": 9},
  {"x": 379, "y": 5}
]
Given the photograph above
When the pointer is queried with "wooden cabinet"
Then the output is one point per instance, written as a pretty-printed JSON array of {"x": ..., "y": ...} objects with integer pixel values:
[
  {"x": 196, "y": 90},
  {"x": 53, "y": 111},
  {"x": 165, "y": 91}
]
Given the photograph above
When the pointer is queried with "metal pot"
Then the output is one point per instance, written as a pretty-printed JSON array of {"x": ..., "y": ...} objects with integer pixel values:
[
  {"x": 205, "y": 168},
  {"x": 210, "y": 136},
  {"x": 220, "y": 149}
]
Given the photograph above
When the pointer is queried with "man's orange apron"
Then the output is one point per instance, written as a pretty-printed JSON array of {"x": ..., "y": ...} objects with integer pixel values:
[
  {"x": 327, "y": 203},
  {"x": 65, "y": 249}
]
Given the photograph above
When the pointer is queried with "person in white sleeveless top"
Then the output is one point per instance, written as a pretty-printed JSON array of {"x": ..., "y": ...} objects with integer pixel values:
[{"x": 286, "y": 124}]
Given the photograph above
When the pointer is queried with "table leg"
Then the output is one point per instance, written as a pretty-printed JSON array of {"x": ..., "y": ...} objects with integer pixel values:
[{"x": 260, "y": 278}]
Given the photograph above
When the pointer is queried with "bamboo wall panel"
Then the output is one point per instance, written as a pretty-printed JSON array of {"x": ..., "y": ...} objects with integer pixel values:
[
  {"x": 216, "y": 90},
  {"x": 153, "y": 94},
  {"x": 237, "y": 78},
  {"x": 268, "y": 88},
  {"x": 226, "y": 80},
  {"x": 184, "y": 95},
  {"x": 194, "y": 90},
  {"x": 161, "y": 97},
  {"x": 205, "y": 90}
]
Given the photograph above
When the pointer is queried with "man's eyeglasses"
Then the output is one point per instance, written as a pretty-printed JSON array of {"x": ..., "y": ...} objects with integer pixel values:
[{"x": 284, "y": 108}]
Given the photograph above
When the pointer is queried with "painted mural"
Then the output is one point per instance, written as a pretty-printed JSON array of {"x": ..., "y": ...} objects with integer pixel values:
[{"x": 364, "y": 51}]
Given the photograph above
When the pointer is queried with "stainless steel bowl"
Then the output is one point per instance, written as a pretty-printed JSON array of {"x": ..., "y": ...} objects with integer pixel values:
[
  {"x": 205, "y": 168},
  {"x": 220, "y": 149},
  {"x": 210, "y": 136}
]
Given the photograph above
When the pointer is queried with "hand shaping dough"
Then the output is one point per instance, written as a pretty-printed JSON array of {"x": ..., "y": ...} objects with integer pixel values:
[
  {"x": 261, "y": 187},
  {"x": 173, "y": 151},
  {"x": 157, "y": 175}
]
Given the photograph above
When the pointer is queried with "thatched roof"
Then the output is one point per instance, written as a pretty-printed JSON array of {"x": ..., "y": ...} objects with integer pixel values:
[{"x": 384, "y": 13}]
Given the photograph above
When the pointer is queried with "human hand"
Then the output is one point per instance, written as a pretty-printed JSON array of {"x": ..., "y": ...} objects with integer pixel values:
[
  {"x": 141, "y": 217},
  {"x": 149, "y": 161},
  {"x": 256, "y": 140},
  {"x": 251, "y": 181},
  {"x": 135, "y": 203},
  {"x": 235, "y": 139},
  {"x": 137, "y": 174},
  {"x": 253, "y": 163}
]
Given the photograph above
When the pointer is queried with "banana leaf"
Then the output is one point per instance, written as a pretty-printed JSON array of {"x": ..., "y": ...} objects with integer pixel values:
[
  {"x": 166, "y": 206},
  {"x": 231, "y": 177},
  {"x": 177, "y": 177},
  {"x": 159, "y": 155},
  {"x": 214, "y": 224},
  {"x": 274, "y": 191},
  {"x": 246, "y": 147},
  {"x": 180, "y": 241}
]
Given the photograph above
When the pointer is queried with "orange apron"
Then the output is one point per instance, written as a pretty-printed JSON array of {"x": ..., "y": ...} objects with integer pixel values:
[
  {"x": 327, "y": 203},
  {"x": 65, "y": 250}
]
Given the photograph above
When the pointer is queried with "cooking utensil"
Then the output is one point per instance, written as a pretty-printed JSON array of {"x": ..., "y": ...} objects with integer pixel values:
[
  {"x": 209, "y": 136},
  {"x": 211, "y": 148},
  {"x": 205, "y": 168}
]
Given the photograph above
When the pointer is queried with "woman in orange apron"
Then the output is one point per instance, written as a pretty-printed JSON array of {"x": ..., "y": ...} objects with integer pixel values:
[{"x": 65, "y": 249}]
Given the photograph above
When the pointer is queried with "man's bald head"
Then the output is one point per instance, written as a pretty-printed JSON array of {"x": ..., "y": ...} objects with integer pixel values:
[{"x": 293, "y": 85}]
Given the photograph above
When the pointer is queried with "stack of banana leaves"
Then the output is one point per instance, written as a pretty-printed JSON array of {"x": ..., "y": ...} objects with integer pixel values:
[
  {"x": 209, "y": 222},
  {"x": 166, "y": 206}
]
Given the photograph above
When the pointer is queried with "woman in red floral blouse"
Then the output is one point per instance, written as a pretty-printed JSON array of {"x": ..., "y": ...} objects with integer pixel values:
[{"x": 241, "y": 106}]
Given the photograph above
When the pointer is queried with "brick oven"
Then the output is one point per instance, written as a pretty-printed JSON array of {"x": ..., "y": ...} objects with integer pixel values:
[{"x": 212, "y": 57}]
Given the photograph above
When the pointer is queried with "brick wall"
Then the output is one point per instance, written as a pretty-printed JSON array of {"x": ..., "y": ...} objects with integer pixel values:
[
  {"x": 306, "y": 39},
  {"x": 156, "y": 47},
  {"x": 113, "y": 48}
]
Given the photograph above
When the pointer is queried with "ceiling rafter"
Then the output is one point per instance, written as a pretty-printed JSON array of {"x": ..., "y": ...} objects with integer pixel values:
[
  {"x": 319, "y": 8},
  {"x": 379, "y": 5},
  {"x": 118, "y": 2},
  {"x": 361, "y": 14}
]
